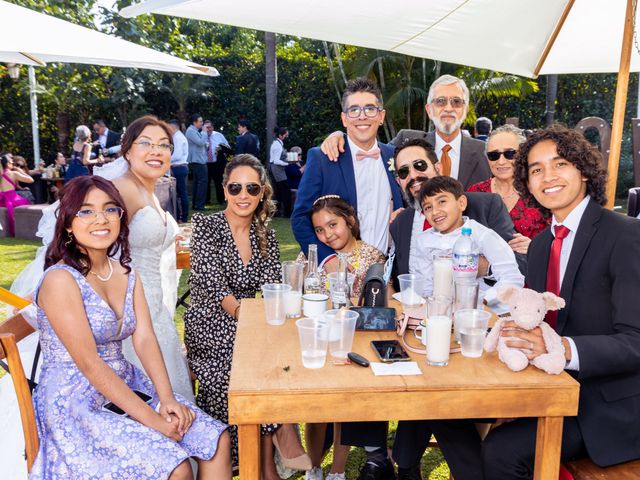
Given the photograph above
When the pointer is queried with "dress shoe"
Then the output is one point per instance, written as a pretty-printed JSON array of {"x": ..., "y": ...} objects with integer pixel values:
[
  {"x": 371, "y": 471},
  {"x": 411, "y": 473},
  {"x": 301, "y": 462}
]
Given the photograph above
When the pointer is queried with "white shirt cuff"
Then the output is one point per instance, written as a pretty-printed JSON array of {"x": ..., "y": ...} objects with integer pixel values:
[{"x": 574, "y": 363}]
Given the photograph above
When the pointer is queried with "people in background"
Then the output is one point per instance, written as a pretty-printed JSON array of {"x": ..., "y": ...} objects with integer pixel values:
[
  {"x": 216, "y": 160},
  {"x": 277, "y": 166},
  {"x": 246, "y": 141},
  {"x": 105, "y": 139},
  {"x": 294, "y": 170},
  {"x": 482, "y": 128},
  {"x": 80, "y": 154},
  {"x": 180, "y": 169},
  {"x": 9, "y": 198},
  {"x": 197, "y": 160}
]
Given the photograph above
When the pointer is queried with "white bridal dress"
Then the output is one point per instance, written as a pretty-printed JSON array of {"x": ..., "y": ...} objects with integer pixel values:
[{"x": 152, "y": 243}]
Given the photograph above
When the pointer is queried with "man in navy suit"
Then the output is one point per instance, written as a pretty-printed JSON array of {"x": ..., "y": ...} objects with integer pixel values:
[
  {"x": 590, "y": 256},
  {"x": 360, "y": 176}
]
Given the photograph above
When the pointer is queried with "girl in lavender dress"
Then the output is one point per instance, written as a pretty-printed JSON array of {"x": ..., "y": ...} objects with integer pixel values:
[{"x": 88, "y": 304}]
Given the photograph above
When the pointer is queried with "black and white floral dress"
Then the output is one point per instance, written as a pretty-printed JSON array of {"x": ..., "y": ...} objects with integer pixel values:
[{"x": 217, "y": 270}]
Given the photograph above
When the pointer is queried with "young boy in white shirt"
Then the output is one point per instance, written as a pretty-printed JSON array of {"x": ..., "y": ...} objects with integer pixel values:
[{"x": 442, "y": 200}]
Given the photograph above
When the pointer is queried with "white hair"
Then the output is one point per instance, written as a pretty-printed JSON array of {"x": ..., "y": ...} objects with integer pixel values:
[
  {"x": 449, "y": 80},
  {"x": 82, "y": 132},
  {"x": 507, "y": 128}
]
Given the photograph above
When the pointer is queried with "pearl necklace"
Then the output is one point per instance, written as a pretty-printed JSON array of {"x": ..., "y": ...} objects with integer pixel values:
[
  {"x": 504, "y": 197},
  {"x": 108, "y": 277}
]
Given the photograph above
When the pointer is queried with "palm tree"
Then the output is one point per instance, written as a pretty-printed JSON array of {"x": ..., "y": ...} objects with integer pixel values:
[{"x": 271, "y": 86}]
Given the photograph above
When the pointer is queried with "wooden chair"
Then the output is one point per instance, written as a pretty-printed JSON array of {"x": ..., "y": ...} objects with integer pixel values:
[
  {"x": 12, "y": 331},
  {"x": 585, "y": 469}
]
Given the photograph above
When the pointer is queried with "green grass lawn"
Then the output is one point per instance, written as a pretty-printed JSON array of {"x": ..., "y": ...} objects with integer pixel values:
[{"x": 16, "y": 254}]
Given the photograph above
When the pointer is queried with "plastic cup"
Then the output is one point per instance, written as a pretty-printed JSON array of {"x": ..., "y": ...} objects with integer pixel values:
[
  {"x": 442, "y": 274},
  {"x": 472, "y": 327},
  {"x": 466, "y": 294},
  {"x": 438, "y": 340},
  {"x": 293, "y": 275},
  {"x": 342, "y": 327},
  {"x": 313, "y": 333},
  {"x": 274, "y": 302},
  {"x": 411, "y": 288}
]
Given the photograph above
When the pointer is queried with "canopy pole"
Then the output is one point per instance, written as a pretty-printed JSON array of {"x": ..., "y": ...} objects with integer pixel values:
[
  {"x": 34, "y": 116},
  {"x": 619, "y": 105}
]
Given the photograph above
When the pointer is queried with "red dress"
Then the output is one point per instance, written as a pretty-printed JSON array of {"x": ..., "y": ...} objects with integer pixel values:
[{"x": 527, "y": 221}]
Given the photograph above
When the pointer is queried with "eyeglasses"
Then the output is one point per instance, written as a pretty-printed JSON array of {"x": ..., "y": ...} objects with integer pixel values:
[
  {"x": 370, "y": 111},
  {"x": 418, "y": 165},
  {"x": 509, "y": 154},
  {"x": 252, "y": 189},
  {"x": 147, "y": 146},
  {"x": 456, "y": 102},
  {"x": 111, "y": 214}
]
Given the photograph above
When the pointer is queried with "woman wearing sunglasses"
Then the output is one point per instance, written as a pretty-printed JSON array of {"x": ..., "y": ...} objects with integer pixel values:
[
  {"x": 233, "y": 254},
  {"x": 502, "y": 149}
]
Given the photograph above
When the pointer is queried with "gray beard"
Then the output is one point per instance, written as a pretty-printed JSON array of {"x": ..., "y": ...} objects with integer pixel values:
[{"x": 446, "y": 128}]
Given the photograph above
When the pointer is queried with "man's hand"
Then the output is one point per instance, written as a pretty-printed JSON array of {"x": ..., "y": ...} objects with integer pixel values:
[
  {"x": 530, "y": 342},
  {"x": 519, "y": 243},
  {"x": 394, "y": 214},
  {"x": 333, "y": 145},
  {"x": 483, "y": 266}
]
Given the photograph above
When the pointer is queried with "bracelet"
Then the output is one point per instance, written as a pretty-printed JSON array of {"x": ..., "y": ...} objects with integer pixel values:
[{"x": 235, "y": 312}]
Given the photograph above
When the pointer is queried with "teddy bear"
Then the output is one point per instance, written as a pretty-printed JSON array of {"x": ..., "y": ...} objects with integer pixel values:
[{"x": 528, "y": 308}]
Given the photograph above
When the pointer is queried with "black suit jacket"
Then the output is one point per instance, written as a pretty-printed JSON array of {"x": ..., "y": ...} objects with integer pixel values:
[
  {"x": 474, "y": 166},
  {"x": 601, "y": 287},
  {"x": 485, "y": 208},
  {"x": 113, "y": 139},
  {"x": 247, "y": 143}
]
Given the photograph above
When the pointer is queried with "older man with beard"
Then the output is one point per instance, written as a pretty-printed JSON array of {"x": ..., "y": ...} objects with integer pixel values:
[{"x": 459, "y": 156}]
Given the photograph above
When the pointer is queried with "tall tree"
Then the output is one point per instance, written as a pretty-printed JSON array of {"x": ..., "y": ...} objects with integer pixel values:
[
  {"x": 550, "y": 99},
  {"x": 271, "y": 86}
]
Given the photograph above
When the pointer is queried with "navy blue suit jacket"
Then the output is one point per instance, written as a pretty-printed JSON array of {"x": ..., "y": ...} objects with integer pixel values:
[{"x": 324, "y": 177}]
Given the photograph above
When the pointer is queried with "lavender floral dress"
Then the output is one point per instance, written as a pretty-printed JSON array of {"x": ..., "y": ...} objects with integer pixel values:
[{"x": 80, "y": 440}]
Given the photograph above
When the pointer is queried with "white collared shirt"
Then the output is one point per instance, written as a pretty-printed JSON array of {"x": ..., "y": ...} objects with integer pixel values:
[
  {"x": 102, "y": 139},
  {"x": 416, "y": 230},
  {"x": 572, "y": 222},
  {"x": 490, "y": 245},
  {"x": 180, "y": 149},
  {"x": 275, "y": 152},
  {"x": 374, "y": 198},
  {"x": 454, "y": 153}
]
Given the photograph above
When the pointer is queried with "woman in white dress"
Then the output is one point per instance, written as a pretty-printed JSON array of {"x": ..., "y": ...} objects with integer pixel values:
[{"x": 152, "y": 232}]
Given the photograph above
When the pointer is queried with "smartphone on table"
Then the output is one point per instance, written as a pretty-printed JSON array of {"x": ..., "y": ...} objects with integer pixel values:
[
  {"x": 390, "y": 351},
  {"x": 113, "y": 408}
]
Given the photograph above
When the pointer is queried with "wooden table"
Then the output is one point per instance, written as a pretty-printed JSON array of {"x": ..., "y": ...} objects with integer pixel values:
[{"x": 270, "y": 385}]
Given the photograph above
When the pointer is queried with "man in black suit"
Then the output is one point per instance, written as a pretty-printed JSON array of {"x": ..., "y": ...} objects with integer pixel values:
[
  {"x": 592, "y": 256},
  {"x": 460, "y": 156},
  {"x": 104, "y": 138},
  {"x": 246, "y": 142}
]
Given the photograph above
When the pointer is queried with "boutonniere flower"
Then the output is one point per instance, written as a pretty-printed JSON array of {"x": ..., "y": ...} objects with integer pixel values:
[{"x": 391, "y": 163}]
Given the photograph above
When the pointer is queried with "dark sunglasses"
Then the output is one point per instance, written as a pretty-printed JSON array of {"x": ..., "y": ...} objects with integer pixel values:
[
  {"x": 419, "y": 165},
  {"x": 509, "y": 154},
  {"x": 253, "y": 189}
]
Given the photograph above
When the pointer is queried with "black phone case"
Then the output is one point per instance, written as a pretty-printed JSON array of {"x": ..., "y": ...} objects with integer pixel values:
[
  {"x": 390, "y": 351},
  {"x": 375, "y": 318}
]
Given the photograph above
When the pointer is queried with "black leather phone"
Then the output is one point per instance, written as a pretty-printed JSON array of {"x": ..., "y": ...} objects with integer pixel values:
[
  {"x": 113, "y": 408},
  {"x": 390, "y": 351}
]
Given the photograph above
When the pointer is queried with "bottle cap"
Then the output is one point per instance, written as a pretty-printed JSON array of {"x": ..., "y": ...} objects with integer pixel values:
[{"x": 466, "y": 231}]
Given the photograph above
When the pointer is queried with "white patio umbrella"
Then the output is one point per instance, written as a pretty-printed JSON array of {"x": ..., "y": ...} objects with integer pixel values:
[
  {"x": 524, "y": 37},
  {"x": 34, "y": 39}
]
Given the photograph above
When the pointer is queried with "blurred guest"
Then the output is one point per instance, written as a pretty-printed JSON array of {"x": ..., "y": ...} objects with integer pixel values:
[
  {"x": 277, "y": 166},
  {"x": 215, "y": 161},
  {"x": 105, "y": 138},
  {"x": 246, "y": 142},
  {"x": 482, "y": 129},
  {"x": 180, "y": 169},
  {"x": 197, "y": 161},
  {"x": 295, "y": 169},
  {"x": 80, "y": 154},
  {"x": 502, "y": 149},
  {"x": 8, "y": 184}
]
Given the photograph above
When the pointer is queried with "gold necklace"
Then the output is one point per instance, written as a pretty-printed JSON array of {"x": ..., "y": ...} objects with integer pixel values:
[
  {"x": 108, "y": 277},
  {"x": 504, "y": 197}
]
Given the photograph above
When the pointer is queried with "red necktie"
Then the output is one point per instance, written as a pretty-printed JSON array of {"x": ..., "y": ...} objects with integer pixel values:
[
  {"x": 210, "y": 151},
  {"x": 426, "y": 225},
  {"x": 553, "y": 270},
  {"x": 373, "y": 153},
  {"x": 445, "y": 160}
]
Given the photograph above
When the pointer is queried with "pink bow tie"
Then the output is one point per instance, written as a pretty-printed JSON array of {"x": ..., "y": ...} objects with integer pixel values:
[{"x": 373, "y": 153}]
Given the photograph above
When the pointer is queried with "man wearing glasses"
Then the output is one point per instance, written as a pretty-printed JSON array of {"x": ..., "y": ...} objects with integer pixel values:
[
  {"x": 459, "y": 156},
  {"x": 360, "y": 176}
]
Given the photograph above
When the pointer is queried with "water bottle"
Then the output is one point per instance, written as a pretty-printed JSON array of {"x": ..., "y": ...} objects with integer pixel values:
[
  {"x": 312, "y": 280},
  {"x": 340, "y": 293},
  {"x": 465, "y": 256}
]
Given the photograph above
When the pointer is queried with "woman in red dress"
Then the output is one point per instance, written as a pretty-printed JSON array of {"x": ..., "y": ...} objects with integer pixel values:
[{"x": 502, "y": 148}]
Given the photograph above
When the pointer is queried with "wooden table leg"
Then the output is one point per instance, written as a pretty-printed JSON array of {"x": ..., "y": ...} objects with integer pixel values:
[
  {"x": 249, "y": 451},
  {"x": 548, "y": 444}
]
